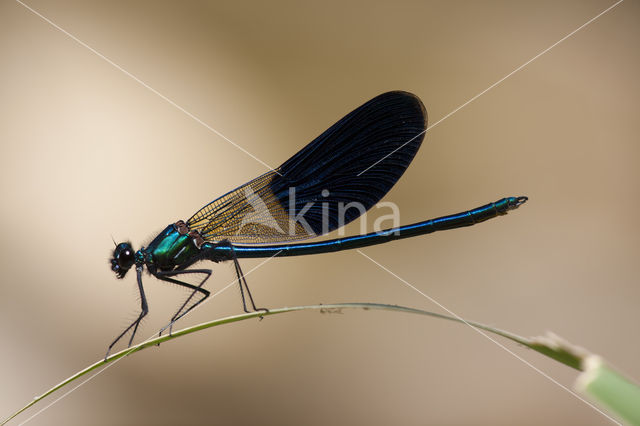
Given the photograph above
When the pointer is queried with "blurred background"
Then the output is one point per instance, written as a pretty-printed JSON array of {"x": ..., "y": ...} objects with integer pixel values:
[{"x": 89, "y": 153}]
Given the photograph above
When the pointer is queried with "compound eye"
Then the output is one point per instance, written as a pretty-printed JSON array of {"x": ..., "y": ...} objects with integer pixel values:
[
  {"x": 123, "y": 259},
  {"x": 124, "y": 255}
]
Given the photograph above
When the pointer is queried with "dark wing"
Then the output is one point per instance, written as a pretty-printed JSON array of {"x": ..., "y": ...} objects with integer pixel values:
[{"x": 330, "y": 182}]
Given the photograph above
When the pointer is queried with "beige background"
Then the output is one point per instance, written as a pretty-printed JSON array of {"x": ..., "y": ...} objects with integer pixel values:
[{"x": 87, "y": 152}]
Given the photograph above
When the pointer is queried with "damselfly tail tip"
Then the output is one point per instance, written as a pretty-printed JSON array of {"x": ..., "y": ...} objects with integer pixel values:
[{"x": 520, "y": 201}]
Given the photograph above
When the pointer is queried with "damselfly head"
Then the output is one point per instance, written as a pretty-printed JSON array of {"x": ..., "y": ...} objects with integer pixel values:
[{"x": 123, "y": 259}]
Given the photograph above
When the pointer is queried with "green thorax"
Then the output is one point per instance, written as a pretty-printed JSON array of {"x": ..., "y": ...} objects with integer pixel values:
[{"x": 170, "y": 249}]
